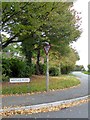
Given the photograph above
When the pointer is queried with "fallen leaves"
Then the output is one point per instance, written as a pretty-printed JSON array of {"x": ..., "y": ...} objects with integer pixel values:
[{"x": 43, "y": 109}]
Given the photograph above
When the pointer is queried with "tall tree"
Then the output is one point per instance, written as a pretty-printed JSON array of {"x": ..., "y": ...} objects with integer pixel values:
[
  {"x": 68, "y": 62},
  {"x": 34, "y": 23},
  {"x": 54, "y": 19}
]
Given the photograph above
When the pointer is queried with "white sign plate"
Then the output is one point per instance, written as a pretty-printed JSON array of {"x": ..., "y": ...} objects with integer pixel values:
[{"x": 19, "y": 80}]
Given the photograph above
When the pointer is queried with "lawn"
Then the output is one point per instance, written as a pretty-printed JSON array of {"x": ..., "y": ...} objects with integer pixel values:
[
  {"x": 38, "y": 84},
  {"x": 86, "y": 72}
]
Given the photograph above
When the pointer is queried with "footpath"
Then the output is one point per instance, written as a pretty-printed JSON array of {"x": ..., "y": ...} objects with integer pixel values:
[{"x": 51, "y": 96}]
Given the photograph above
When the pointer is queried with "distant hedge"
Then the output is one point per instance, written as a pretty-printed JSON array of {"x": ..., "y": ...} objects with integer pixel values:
[{"x": 66, "y": 69}]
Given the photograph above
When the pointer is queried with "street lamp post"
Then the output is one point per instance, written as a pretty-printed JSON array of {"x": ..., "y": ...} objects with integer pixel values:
[{"x": 47, "y": 48}]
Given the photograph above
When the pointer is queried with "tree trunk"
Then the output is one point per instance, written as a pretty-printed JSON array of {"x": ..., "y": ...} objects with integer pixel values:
[
  {"x": 37, "y": 62},
  {"x": 29, "y": 58}
]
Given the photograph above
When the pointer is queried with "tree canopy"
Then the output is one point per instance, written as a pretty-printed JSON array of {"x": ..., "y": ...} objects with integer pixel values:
[
  {"x": 52, "y": 21},
  {"x": 33, "y": 23}
]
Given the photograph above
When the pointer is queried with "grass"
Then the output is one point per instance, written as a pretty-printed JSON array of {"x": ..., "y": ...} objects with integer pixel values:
[
  {"x": 38, "y": 84},
  {"x": 86, "y": 72}
]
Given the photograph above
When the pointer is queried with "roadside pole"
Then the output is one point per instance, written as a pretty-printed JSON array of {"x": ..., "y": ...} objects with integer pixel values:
[
  {"x": 47, "y": 48},
  {"x": 47, "y": 73}
]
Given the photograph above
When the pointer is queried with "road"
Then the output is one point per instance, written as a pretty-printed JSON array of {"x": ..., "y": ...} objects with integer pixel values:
[
  {"x": 51, "y": 96},
  {"x": 80, "y": 111}
]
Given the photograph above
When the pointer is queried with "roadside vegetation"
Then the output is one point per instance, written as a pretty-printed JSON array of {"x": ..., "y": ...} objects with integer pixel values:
[
  {"x": 38, "y": 84},
  {"x": 29, "y": 27},
  {"x": 88, "y": 71}
]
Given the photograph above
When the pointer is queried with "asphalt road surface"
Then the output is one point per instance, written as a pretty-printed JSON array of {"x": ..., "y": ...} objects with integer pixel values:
[
  {"x": 80, "y": 111},
  {"x": 51, "y": 96}
]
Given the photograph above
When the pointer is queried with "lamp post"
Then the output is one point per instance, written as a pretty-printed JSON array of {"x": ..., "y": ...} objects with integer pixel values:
[{"x": 47, "y": 48}]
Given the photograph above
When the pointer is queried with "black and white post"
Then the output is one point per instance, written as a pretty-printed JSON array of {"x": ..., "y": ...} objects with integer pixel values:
[{"x": 47, "y": 48}]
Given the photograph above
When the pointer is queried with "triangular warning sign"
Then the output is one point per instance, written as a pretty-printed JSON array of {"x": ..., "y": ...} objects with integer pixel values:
[{"x": 47, "y": 48}]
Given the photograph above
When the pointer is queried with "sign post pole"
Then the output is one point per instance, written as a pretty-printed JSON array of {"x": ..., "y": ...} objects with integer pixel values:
[
  {"x": 47, "y": 48},
  {"x": 47, "y": 73}
]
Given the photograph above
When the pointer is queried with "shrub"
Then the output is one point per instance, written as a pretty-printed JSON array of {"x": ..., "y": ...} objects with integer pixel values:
[
  {"x": 19, "y": 68},
  {"x": 15, "y": 68},
  {"x": 5, "y": 78},
  {"x": 42, "y": 69},
  {"x": 79, "y": 68},
  {"x": 6, "y": 67},
  {"x": 66, "y": 69},
  {"x": 88, "y": 67},
  {"x": 53, "y": 71}
]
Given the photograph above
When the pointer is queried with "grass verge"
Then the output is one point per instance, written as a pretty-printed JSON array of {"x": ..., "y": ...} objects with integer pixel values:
[
  {"x": 38, "y": 84},
  {"x": 86, "y": 72}
]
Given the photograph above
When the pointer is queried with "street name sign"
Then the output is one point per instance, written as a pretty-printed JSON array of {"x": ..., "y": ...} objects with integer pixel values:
[{"x": 19, "y": 80}]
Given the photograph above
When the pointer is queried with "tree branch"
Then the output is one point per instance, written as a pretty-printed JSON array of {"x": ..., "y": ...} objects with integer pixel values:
[{"x": 5, "y": 44}]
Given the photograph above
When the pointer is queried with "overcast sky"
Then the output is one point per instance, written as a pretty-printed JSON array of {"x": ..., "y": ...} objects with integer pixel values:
[{"x": 82, "y": 43}]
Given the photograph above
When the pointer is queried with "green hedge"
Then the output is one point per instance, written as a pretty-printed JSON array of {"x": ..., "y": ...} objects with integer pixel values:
[
  {"x": 15, "y": 68},
  {"x": 53, "y": 71}
]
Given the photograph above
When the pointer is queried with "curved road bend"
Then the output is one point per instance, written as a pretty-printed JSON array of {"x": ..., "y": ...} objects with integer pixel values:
[{"x": 51, "y": 96}]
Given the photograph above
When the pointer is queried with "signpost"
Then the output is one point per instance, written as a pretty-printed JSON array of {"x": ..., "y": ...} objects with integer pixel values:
[{"x": 47, "y": 48}]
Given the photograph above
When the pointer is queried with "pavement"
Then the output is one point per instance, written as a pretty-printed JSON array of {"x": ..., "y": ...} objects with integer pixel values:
[{"x": 51, "y": 96}]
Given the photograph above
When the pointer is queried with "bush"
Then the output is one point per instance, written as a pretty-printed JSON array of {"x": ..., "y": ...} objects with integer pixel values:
[
  {"x": 19, "y": 68},
  {"x": 53, "y": 71},
  {"x": 5, "y": 78},
  {"x": 6, "y": 67},
  {"x": 88, "y": 67},
  {"x": 15, "y": 68},
  {"x": 79, "y": 68},
  {"x": 42, "y": 69},
  {"x": 66, "y": 69}
]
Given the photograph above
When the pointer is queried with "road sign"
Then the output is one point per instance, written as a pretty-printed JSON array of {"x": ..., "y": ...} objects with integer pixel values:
[
  {"x": 47, "y": 48},
  {"x": 19, "y": 80}
]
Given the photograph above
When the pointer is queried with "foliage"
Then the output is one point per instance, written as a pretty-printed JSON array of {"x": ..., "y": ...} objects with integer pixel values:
[
  {"x": 79, "y": 68},
  {"x": 6, "y": 67},
  {"x": 15, "y": 68},
  {"x": 65, "y": 68},
  {"x": 33, "y": 23},
  {"x": 42, "y": 69},
  {"x": 54, "y": 71},
  {"x": 86, "y": 72},
  {"x": 68, "y": 62},
  {"x": 13, "y": 50},
  {"x": 89, "y": 67},
  {"x": 5, "y": 78}
]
